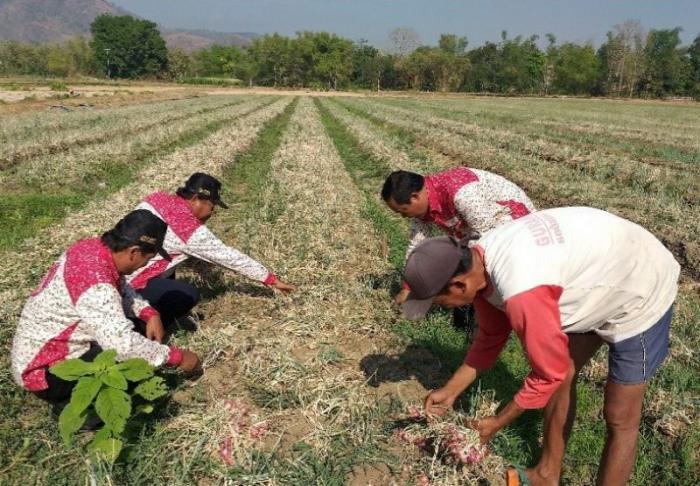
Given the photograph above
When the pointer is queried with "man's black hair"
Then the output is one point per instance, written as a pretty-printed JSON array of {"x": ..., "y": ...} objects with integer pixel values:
[
  {"x": 115, "y": 242},
  {"x": 400, "y": 185}
]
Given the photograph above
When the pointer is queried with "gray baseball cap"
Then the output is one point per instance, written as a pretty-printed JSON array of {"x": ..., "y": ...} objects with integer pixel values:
[{"x": 429, "y": 267}]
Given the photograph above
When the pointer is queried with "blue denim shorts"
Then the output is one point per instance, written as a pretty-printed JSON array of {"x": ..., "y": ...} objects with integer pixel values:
[{"x": 636, "y": 359}]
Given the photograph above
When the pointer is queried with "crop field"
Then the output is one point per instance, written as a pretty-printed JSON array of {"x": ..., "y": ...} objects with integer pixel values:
[{"x": 318, "y": 387}]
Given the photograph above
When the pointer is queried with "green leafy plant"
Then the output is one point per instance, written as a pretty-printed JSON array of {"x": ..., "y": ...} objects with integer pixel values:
[
  {"x": 58, "y": 86},
  {"x": 103, "y": 387}
]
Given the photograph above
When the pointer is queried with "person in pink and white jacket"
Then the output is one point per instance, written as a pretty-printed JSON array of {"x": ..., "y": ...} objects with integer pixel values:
[
  {"x": 186, "y": 214},
  {"x": 461, "y": 202},
  {"x": 566, "y": 281},
  {"x": 84, "y": 305}
]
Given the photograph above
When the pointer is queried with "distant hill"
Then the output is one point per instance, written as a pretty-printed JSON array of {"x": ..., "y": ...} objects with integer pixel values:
[
  {"x": 191, "y": 40},
  {"x": 59, "y": 20}
]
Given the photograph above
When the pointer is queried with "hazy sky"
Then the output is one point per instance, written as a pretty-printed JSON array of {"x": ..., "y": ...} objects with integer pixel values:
[{"x": 479, "y": 20}]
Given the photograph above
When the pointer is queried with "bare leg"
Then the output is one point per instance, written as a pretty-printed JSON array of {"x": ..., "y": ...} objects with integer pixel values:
[
  {"x": 623, "y": 413},
  {"x": 560, "y": 412}
]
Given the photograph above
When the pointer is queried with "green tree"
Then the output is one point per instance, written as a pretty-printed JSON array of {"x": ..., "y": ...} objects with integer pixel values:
[
  {"x": 575, "y": 69},
  {"x": 127, "y": 47},
  {"x": 521, "y": 67},
  {"x": 19, "y": 58},
  {"x": 694, "y": 57},
  {"x": 180, "y": 65},
  {"x": 217, "y": 60},
  {"x": 364, "y": 65},
  {"x": 485, "y": 65},
  {"x": 664, "y": 63},
  {"x": 83, "y": 58},
  {"x": 271, "y": 55},
  {"x": 331, "y": 58},
  {"x": 59, "y": 61},
  {"x": 452, "y": 44}
]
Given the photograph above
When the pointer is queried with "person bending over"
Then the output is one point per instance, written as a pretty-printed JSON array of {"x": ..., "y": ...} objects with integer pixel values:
[
  {"x": 461, "y": 202},
  {"x": 186, "y": 213},
  {"x": 566, "y": 281}
]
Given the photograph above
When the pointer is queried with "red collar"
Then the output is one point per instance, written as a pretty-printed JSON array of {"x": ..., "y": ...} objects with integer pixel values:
[{"x": 434, "y": 204}]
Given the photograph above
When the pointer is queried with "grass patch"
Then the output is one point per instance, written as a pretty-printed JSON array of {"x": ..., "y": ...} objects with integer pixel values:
[
  {"x": 248, "y": 173},
  {"x": 368, "y": 174},
  {"x": 403, "y": 139},
  {"x": 58, "y": 86},
  {"x": 211, "y": 81}
]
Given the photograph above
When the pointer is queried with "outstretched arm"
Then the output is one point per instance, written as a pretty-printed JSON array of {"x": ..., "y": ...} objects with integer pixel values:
[{"x": 204, "y": 245}]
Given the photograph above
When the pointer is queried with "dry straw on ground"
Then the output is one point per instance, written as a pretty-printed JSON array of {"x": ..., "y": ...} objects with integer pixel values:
[
  {"x": 57, "y": 131},
  {"x": 79, "y": 163}
]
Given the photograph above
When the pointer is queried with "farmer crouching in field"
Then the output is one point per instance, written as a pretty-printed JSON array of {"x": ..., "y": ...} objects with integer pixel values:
[
  {"x": 462, "y": 202},
  {"x": 186, "y": 213},
  {"x": 566, "y": 281},
  {"x": 79, "y": 309}
]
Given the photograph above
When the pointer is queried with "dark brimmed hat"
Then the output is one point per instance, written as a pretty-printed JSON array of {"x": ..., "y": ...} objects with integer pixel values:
[
  {"x": 145, "y": 230},
  {"x": 203, "y": 186},
  {"x": 429, "y": 268}
]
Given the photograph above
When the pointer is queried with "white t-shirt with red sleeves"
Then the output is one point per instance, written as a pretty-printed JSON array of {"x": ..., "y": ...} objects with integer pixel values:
[
  {"x": 567, "y": 270},
  {"x": 188, "y": 237}
]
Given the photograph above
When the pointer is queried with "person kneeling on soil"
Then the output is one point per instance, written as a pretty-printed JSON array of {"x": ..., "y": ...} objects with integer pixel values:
[
  {"x": 461, "y": 202},
  {"x": 84, "y": 305},
  {"x": 565, "y": 280},
  {"x": 186, "y": 213}
]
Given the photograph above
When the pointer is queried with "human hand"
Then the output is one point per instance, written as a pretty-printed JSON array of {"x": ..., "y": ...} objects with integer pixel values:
[
  {"x": 487, "y": 428},
  {"x": 439, "y": 401},
  {"x": 402, "y": 296},
  {"x": 190, "y": 362},
  {"x": 154, "y": 329},
  {"x": 283, "y": 287}
]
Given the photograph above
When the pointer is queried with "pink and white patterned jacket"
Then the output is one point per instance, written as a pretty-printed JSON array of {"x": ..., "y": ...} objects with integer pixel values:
[
  {"x": 82, "y": 300},
  {"x": 468, "y": 202},
  {"x": 188, "y": 237}
]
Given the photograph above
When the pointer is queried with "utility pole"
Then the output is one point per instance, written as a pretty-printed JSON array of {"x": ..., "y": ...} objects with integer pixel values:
[{"x": 108, "y": 69}]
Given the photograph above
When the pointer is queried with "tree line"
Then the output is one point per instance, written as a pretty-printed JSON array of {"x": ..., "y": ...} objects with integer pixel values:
[{"x": 632, "y": 62}]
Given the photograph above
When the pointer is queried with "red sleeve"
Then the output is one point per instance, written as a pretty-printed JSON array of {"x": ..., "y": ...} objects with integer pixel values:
[
  {"x": 492, "y": 335},
  {"x": 534, "y": 316},
  {"x": 147, "y": 312},
  {"x": 174, "y": 357},
  {"x": 271, "y": 279}
]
